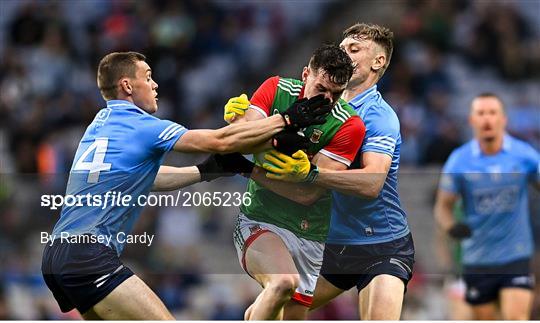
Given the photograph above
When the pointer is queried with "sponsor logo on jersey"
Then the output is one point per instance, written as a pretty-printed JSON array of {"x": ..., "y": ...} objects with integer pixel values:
[
  {"x": 496, "y": 200},
  {"x": 316, "y": 136},
  {"x": 368, "y": 231},
  {"x": 103, "y": 115},
  {"x": 254, "y": 229},
  {"x": 304, "y": 225}
]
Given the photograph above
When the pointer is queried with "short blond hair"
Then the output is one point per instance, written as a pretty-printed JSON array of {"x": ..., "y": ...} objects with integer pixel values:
[{"x": 380, "y": 35}]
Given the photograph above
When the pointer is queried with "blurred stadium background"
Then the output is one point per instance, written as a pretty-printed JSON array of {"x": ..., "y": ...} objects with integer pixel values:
[{"x": 202, "y": 53}]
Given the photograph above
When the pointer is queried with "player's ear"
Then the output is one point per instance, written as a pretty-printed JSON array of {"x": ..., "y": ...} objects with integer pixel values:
[
  {"x": 305, "y": 73},
  {"x": 126, "y": 86},
  {"x": 378, "y": 62}
]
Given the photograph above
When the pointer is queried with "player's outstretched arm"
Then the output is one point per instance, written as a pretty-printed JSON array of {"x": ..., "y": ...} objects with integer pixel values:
[
  {"x": 287, "y": 141},
  {"x": 171, "y": 178},
  {"x": 237, "y": 110},
  {"x": 245, "y": 136},
  {"x": 240, "y": 137}
]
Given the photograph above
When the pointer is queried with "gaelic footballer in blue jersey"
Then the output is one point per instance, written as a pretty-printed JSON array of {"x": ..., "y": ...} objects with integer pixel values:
[
  {"x": 122, "y": 151},
  {"x": 490, "y": 174},
  {"x": 369, "y": 244}
]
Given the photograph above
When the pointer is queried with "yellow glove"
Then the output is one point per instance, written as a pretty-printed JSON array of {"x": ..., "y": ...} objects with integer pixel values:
[
  {"x": 295, "y": 168},
  {"x": 236, "y": 107}
]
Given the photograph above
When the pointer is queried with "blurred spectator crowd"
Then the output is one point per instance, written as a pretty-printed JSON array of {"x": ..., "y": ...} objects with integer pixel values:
[
  {"x": 449, "y": 51},
  {"x": 202, "y": 53}
]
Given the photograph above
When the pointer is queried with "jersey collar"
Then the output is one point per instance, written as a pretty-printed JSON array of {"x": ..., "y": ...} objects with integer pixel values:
[
  {"x": 507, "y": 143},
  {"x": 301, "y": 95},
  {"x": 123, "y": 104},
  {"x": 363, "y": 97}
]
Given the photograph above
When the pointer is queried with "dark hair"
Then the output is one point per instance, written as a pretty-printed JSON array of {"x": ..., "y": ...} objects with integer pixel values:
[
  {"x": 334, "y": 61},
  {"x": 380, "y": 35},
  {"x": 112, "y": 68},
  {"x": 490, "y": 95}
]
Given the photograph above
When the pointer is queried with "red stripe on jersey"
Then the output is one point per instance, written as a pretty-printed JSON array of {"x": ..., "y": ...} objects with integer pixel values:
[
  {"x": 348, "y": 139},
  {"x": 265, "y": 94},
  {"x": 301, "y": 95}
]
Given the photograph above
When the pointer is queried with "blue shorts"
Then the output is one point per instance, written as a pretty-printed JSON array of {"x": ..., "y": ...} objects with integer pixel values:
[
  {"x": 346, "y": 266},
  {"x": 81, "y": 274},
  {"x": 485, "y": 282}
]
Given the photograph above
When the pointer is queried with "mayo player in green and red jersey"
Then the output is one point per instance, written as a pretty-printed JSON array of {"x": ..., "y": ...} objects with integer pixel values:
[
  {"x": 369, "y": 244},
  {"x": 280, "y": 235}
]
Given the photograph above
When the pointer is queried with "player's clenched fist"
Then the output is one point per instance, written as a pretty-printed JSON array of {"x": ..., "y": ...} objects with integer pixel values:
[
  {"x": 304, "y": 113},
  {"x": 236, "y": 107},
  {"x": 295, "y": 168}
]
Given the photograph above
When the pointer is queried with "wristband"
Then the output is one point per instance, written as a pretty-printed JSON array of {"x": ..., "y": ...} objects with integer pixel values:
[{"x": 313, "y": 174}]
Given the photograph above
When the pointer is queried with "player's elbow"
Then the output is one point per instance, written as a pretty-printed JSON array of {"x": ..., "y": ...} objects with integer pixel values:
[{"x": 371, "y": 191}]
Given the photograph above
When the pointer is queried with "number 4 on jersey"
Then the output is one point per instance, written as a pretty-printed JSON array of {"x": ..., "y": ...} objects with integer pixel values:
[{"x": 99, "y": 147}]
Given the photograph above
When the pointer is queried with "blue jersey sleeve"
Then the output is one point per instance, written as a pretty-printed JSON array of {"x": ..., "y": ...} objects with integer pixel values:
[
  {"x": 160, "y": 135},
  {"x": 382, "y": 132},
  {"x": 450, "y": 177}
]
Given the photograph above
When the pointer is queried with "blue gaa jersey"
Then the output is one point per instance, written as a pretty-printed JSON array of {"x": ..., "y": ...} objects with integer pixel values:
[
  {"x": 494, "y": 193},
  {"x": 119, "y": 155},
  {"x": 358, "y": 221}
]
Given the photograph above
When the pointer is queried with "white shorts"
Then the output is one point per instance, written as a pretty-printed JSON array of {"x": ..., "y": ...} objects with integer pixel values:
[{"x": 307, "y": 254}]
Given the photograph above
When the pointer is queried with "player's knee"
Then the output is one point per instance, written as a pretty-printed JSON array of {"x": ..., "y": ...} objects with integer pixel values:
[{"x": 284, "y": 285}]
